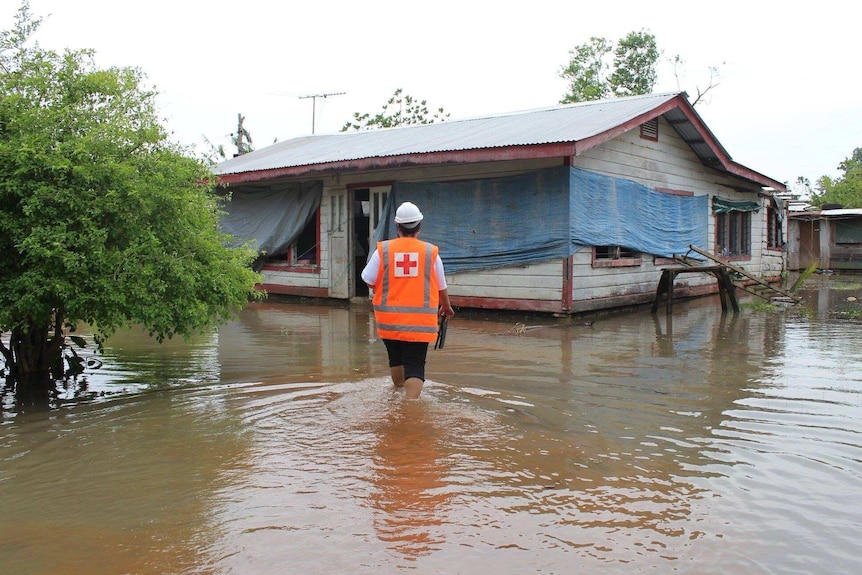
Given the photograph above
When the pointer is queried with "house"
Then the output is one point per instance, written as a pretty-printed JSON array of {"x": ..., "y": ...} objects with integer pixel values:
[
  {"x": 831, "y": 238},
  {"x": 565, "y": 210}
]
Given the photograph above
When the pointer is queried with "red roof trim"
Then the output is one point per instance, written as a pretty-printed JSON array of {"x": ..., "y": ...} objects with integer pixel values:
[
  {"x": 434, "y": 158},
  {"x": 606, "y": 136},
  {"x": 685, "y": 107}
]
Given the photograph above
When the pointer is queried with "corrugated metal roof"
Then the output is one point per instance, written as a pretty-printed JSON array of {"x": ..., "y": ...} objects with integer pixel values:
[
  {"x": 517, "y": 134},
  {"x": 838, "y": 213},
  {"x": 842, "y": 212},
  {"x": 569, "y": 123}
]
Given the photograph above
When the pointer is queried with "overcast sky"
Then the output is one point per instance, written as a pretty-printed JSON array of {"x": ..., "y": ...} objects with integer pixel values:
[{"x": 788, "y": 102}]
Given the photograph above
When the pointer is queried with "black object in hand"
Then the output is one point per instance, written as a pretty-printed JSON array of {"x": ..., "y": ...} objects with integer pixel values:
[{"x": 442, "y": 322}]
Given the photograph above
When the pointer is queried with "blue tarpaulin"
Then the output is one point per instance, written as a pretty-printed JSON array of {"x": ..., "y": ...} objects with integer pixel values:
[
  {"x": 608, "y": 211},
  {"x": 547, "y": 215}
]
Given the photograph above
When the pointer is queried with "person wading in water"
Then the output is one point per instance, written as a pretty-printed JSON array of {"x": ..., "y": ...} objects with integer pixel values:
[{"x": 410, "y": 292}]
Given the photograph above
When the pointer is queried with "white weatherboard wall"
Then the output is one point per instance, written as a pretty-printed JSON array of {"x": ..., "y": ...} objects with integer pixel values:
[{"x": 542, "y": 281}]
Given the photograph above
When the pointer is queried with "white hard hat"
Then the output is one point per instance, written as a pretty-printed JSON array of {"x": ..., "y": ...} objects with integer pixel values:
[{"x": 408, "y": 215}]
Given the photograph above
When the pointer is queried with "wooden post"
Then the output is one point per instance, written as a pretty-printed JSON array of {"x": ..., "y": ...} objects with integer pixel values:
[
  {"x": 568, "y": 284},
  {"x": 722, "y": 289},
  {"x": 726, "y": 289},
  {"x": 729, "y": 289},
  {"x": 670, "y": 280},
  {"x": 662, "y": 287}
]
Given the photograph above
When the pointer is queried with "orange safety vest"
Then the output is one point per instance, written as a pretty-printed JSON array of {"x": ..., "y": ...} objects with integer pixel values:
[{"x": 406, "y": 292}]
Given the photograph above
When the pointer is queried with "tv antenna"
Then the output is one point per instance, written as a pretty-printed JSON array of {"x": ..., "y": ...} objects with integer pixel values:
[{"x": 314, "y": 98}]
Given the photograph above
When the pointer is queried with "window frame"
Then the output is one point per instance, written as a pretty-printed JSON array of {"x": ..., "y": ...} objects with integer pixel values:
[
  {"x": 615, "y": 256},
  {"x": 733, "y": 229},
  {"x": 288, "y": 260}
]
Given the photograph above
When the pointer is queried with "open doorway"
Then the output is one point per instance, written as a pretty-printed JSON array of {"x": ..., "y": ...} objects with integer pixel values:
[
  {"x": 368, "y": 207},
  {"x": 361, "y": 237}
]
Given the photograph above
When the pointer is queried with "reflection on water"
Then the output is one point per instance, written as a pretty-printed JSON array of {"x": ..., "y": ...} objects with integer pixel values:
[
  {"x": 410, "y": 492},
  {"x": 697, "y": 443}
]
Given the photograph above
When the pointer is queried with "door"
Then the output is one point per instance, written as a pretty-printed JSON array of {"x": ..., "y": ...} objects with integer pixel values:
[
  {"x": 809, "y": 243},
  {"x": 368, "y": 205},
  {"x": 336, "y": 233}
]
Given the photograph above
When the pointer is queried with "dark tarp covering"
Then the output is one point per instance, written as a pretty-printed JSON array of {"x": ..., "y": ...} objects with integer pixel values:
[
  {"x": 720, "y": 206},
  {"x": 546, "y": 215},
  {"x": 271, "y": 218}
]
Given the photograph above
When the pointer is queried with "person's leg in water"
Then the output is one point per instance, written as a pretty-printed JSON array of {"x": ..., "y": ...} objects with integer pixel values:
[
  {"x": 396, "y": 361},
  {"x": 414, "y": 354},
  {"x": 407, "y": 365},
  {"x": 397, "y": 373},
  {"x": 413, "y": 385}
]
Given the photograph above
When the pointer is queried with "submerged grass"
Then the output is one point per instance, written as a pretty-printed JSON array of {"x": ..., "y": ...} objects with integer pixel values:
[
  {"x": 854, "y": 314},
  {"x": 760, "y": 306}
]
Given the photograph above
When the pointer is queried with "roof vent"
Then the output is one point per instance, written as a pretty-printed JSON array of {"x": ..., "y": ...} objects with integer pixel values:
[{"x": 649, "y": 130}]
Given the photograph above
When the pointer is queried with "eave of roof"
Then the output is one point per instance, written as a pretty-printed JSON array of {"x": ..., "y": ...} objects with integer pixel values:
[
  {"x": 559, "y": 131},
  {"x": 838, "y": 213}
]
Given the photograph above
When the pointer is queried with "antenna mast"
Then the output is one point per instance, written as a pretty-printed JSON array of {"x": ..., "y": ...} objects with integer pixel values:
[{"x": 314, "y": 98}]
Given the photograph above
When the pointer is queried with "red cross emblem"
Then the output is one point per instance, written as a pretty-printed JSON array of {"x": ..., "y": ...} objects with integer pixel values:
[{"x": 406, "y": 264}]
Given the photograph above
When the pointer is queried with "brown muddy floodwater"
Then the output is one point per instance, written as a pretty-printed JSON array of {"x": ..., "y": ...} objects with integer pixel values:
[{"x": 702, "y": 443}]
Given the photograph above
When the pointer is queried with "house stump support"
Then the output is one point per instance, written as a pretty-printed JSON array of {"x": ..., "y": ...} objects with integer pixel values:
[{"x": 726, "y": 289}]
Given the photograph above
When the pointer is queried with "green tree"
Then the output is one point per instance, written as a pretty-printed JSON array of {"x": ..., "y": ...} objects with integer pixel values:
[
  {"x": 102, "y": 219},
  {"x": 401, "y": 109},
  {"x": 593, "y": 74},
  {"x": 635, "y": 61},
  {"x": 586, "y": 72},
  {"x": 845, "y": 189}
]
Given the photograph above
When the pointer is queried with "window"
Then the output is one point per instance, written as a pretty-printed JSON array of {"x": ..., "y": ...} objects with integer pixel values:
[
  {"x": 733, "y": 234},
  {"x": 848, "y": 232},
  {"x": 304, "y": 252},
  {"x": 615, "y": 256},
  {"x": 774, "y": 238}
]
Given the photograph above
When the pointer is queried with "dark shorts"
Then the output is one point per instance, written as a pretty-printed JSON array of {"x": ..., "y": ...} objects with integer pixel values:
[{"x": 410, "y": 354}]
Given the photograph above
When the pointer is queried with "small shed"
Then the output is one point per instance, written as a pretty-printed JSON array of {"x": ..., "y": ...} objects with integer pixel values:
[{"x": 832, "y": 238}]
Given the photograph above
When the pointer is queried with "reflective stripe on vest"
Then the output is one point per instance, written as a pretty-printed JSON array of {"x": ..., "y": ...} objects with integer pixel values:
[{"x": 404, "y": 313}]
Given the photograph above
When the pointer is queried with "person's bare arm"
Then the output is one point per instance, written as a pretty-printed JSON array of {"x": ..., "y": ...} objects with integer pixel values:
[{"x": 446, "y": 307}]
